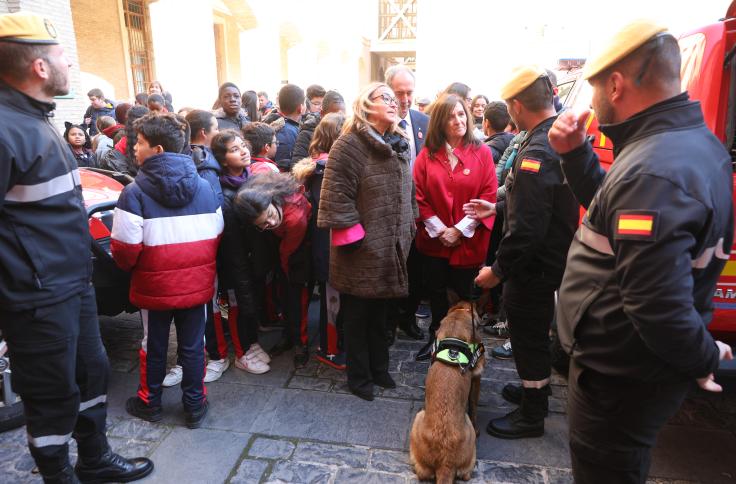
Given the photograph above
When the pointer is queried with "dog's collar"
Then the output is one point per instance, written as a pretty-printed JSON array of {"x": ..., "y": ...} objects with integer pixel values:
[{"x": 457, "y": 352}]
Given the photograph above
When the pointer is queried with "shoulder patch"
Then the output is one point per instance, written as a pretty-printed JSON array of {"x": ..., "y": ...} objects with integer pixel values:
[
  {"x": 530, "y": 165},
  {"x": 636, "y": 225}
]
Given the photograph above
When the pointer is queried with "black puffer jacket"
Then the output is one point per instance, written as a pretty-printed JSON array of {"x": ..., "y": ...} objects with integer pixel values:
[
  {"x": 304, "y": 137},
  {"x": 234, "y": 255}
]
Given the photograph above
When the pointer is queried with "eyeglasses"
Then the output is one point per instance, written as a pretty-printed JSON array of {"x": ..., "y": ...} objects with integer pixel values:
[
  {"x": 387, "y": 99},
  {"x": 275, "y": 142},
  {"x": 272, "y": 219}
]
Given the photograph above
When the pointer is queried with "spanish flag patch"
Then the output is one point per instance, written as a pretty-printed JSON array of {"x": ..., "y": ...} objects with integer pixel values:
[
  {"x": 636, "y": 224},
  {"x": 530, "y": 166}
]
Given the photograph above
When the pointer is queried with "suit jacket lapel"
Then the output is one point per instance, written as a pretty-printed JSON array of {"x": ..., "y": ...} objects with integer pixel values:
[{"x": 418, "y": 140}]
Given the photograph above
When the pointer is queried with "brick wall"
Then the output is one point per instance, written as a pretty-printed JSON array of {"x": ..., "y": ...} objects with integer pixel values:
[
  {"x": 100, "y": 44},
  {"x": 72, "y": 107}
]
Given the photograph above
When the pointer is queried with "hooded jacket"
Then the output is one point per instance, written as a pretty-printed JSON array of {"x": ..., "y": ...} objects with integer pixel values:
[
  {"x": 107, "y": 110},
  {"x": 166, "y": 230},
  {"x": 208, "y": 168},
  {"x": 304, "y": 137}
]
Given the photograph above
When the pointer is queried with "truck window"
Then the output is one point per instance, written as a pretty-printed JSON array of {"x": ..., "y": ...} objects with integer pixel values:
[{"x": 564, "y": 90}]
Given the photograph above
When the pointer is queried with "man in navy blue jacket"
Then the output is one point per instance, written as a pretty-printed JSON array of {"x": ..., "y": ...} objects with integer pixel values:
[
  {"x": 291, "y": 106},
  {"x": 401, "y": 80}
]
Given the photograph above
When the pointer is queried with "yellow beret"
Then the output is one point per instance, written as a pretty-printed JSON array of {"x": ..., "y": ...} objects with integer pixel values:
[
  {"x": 27, "y": 28},
  {"x": 626, "y": 41},
  {"x": 521, "y": 78}
]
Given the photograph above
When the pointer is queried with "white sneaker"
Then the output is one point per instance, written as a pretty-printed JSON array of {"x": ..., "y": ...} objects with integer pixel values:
[
  {"x": 215, "y": 369},
  {"x": 257, "y": 351},
  {"x": 251, "y": 364},
  {"x": 173, "y": 377}
]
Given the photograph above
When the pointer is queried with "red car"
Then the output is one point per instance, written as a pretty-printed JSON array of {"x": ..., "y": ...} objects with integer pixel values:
[{"x": 101, "y": 189}]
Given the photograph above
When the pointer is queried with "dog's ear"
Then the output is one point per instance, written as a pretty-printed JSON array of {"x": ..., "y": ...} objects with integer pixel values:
[{"x": 452, "y": 297}]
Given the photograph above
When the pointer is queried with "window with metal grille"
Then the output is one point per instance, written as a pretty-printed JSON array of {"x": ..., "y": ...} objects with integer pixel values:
[
  {"x": 139, "y": 40},
  {"x": 397, "y": 19}
]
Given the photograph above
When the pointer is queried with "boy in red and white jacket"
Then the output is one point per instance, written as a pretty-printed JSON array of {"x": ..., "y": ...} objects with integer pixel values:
[{"x": 166, "y": 230}]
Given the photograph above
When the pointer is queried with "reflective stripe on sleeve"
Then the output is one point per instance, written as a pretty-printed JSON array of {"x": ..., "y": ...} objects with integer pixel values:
[
  {"x": 92, "y": 402},
  {"x": 600, "y": 244},
  {"x": 47, "y": 440},
  {"x": 704, "y": 259},
  {"x": 41, "y": 191},
  {"x": 594, "y": 240}
]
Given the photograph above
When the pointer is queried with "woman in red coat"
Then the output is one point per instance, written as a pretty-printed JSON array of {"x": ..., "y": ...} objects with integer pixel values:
[{"x": 452, "y": 168}]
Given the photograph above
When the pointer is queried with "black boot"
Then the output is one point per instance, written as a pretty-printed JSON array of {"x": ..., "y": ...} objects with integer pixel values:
[
  {"x": 301, "y": 356},
  {"x": 111, "y": 467},
  {"x": 384, "y": 381},
  {"x": 525, "y": 421},
  {"x": 513, "y": 393},
  {"x": 284, "y": 345},
  {"x": 411, "y": 329},
  {"x": 390, "y": 335},
  {"x": 65, "y": 476},
  {"x": 426, "y": 351},
  {"x": 195, "y": 417}
]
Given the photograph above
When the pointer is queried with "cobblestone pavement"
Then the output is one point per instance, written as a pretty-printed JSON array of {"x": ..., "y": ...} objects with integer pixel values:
[{"x": 304, "y": 426}]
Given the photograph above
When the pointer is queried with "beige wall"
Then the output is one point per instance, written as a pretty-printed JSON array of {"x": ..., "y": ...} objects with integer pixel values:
[{"x": 101, "y": 45}]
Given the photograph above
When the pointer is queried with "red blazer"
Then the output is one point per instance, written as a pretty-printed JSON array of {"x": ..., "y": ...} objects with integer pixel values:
[{"x": 442, "y": 193}]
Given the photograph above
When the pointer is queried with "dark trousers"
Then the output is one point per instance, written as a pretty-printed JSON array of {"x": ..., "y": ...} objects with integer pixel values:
[
  {"x": 60, "y": 370},
  {"x": 190, "y": 351},
  {"x": 214, "y": 334},
  {"x": 297, "y": 313},
  {"x": 493, "y": 244},
  {"x": 614, "y": 424},
  {"x": 241, "y": 324},
  {"x": 404, "y": 309},
  {"x": 440, "y": 277},
  {"x": 366, "y": 348},
  {"x": 530, "y": 307}
]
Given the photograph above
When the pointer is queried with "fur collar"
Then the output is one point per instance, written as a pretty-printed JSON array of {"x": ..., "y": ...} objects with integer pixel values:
[{"x": 391, "y": 143}]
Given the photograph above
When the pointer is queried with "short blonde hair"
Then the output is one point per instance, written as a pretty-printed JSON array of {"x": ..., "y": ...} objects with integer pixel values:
[{"x": 364, "y": 106}]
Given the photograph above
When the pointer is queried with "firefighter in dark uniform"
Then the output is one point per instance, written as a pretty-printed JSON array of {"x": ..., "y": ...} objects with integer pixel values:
[
  {"x": 48, "y": 314},
  {"x": 641, "y": 272},
  {"x": 541, "y": 217}
]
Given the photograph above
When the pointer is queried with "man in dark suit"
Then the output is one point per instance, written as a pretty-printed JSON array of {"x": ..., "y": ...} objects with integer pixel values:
[{"x": 401, "y": 80}]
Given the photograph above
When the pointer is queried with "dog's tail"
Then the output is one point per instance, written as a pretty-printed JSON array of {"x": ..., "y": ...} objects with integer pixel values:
[{"x": 445, "y": 475}]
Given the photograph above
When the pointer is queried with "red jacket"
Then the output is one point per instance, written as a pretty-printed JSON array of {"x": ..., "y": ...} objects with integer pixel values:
[
  {"x": 262, "y": 165},
  {"x": 442, "y": 193},
  {"x": 293, "y": 228}
]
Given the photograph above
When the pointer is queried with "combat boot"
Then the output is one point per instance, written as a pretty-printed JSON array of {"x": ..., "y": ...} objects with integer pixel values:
[
  {"x": 513, "y": 393},
  {"x": 65, "y": 476},
  {"x": 525, "y": 421}
]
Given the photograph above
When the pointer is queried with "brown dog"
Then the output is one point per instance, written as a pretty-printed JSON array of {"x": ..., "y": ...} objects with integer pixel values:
[{"x": 442, "y": 440}]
